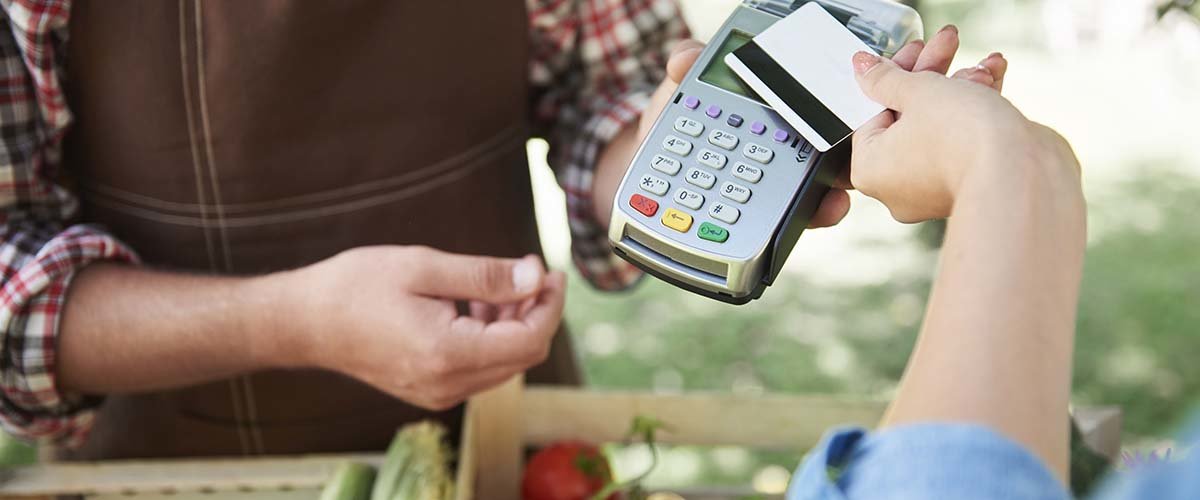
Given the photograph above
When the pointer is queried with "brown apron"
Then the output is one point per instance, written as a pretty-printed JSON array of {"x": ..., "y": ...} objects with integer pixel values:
[{"x": 244, "y": 137}]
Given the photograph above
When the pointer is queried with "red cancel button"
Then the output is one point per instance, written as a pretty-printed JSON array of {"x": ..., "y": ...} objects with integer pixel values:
[{"x": 643, "y": 204}]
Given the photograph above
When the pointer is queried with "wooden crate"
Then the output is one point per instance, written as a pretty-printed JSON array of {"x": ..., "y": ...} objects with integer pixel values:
[{"x": 499, "y": 425}]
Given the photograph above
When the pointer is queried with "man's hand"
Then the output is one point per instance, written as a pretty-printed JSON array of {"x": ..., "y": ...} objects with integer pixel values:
[
  {"x": 387, "y": 316},
  {"x": 935, "y": 56}
]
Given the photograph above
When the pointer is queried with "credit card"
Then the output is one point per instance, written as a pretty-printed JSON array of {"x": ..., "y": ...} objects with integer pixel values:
[{"x": 801, "y": 67}]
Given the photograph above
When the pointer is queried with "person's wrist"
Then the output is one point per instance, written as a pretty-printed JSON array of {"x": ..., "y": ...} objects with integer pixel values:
[
  {"x": 1031, "y": 162},
  {"x": 280, "y": 333},
  {"x": 610, "y": 169}
]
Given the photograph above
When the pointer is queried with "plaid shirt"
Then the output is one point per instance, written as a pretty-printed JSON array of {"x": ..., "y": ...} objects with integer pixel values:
[{"x": 593, "y": 66}]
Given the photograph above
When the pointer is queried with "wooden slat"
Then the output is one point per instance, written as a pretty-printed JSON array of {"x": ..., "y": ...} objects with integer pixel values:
[
  {"x": 464, "y": 476},
  {"x": 215, "y": 475},
  {"x": 1101, "y": 429},
  {"x": 768, "y": 422},
  {"x": 497, "y": 416},
  {"x": 497, "y": 424},
  {"x": 773, "y": 422}
]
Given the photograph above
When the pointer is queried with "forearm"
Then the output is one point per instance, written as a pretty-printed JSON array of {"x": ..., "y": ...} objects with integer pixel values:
[
  {"x": 126, "y": 329},
  {"x": 610, "y": 169},
  {"x": 998, "y": 336}
]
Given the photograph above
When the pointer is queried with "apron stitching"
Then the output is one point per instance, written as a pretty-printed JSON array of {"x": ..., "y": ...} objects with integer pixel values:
[
  {"x": 187, "y": 100},
  {"x": 208, "y": 148},
  {"x": 187, "y": 96},
  {"x": 341, "y": 208},
  {"x": 498, "y": 141},
  {"x": 247, "y": 395},
  {"x": 252, "y": 411}
]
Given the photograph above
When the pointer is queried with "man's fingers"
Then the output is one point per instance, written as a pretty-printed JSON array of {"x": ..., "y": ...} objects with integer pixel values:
[
  {"x": 907, "y": 56},
  {"x": 832, "y": 210},
  {"x": 939, "y": 52},
  {"x": 521, "y": 341},
  {"x": 843, "y": 180},
  {"x": 490, "y": 279},
  {"x": 683, "y": 56},
  {"x": 547, "y": 312},
  {"x": 883, "y": 81}
]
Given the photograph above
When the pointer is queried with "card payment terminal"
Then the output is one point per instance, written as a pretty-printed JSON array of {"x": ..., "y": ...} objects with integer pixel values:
[{"x": 722, "y": 187}]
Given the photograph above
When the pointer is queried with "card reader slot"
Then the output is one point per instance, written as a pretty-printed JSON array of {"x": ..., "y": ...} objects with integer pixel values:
[{"x": 666, "y": 256}]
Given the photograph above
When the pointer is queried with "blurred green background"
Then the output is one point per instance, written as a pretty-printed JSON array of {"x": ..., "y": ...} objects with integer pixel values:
[{"x": 1117, "y": 77}]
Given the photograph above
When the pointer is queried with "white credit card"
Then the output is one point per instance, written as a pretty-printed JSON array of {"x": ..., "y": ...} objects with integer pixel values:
[{"x": 801, "y": 66}]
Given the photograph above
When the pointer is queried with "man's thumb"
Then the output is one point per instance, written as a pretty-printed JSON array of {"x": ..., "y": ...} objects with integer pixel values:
[
  {"x": 488, "y": 279},
  {"x": 882, "y": 80}
]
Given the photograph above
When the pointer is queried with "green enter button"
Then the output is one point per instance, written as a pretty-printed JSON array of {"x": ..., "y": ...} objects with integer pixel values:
[{"x": 713, "y": 232}]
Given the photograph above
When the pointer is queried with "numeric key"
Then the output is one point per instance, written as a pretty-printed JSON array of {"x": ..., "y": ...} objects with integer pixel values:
[
  {"x": 690, "y": 199},
  {"x": 723, "y": 139},
  {"x": 758, "y": 153},
  {"x": 746, "y": 172},
  {"x": 712, "y": 159},
  {"x": 701, "y": 178},
  {"x": 685, "y": 125},
  {"x": 735, "y": 192},
  {"x": 669, "y": 166},
  {"x": 677, "y": 145}
]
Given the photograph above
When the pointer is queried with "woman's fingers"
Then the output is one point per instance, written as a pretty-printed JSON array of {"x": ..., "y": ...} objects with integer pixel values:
[
  {"x": 998, "y": 66},
  {"x": 939, "y": 51},
  {"x": 989, "y": 72},
  {"x": 977, "y": 74},
  {"x": 907, "y": 56}
]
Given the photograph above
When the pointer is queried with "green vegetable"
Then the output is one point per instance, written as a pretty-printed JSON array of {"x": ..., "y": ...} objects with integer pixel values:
[
  {"x": 350, "y": 481},
  {"x": 417, "y": 466}
]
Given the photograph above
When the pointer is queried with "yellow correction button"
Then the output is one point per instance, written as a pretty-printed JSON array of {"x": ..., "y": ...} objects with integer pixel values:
[{"x": 677, "y": 220}]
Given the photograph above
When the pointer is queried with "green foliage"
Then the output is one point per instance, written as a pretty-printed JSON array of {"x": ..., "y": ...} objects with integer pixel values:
[{"x": 1189, "y": 7}]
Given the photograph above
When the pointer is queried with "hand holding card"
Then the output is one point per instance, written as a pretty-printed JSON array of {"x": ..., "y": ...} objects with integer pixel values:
[{"x": 801, "y": 67}]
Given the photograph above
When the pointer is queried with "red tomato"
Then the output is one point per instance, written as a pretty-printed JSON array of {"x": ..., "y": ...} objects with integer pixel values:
[{"x": 566, "y": 470}]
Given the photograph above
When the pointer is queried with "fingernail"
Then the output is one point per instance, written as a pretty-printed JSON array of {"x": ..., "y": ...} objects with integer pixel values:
[
  {"x": 994, "y": 55},
  {"x": 949, "y": 27},
  {"x": 864, "y": 61},
  {"x": 526, "y": 274}
]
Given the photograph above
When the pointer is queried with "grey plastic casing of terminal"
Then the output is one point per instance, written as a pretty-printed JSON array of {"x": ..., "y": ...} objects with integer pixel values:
[{"x": 793, "y": 183}]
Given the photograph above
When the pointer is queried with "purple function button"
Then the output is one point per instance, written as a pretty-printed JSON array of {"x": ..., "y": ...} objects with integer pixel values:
[
  {"x": 691, "y": 102},
  {"x": 713, "y": 111},
  {"x": 781, "y": 136},
  {"x": 757, "y": 128}
]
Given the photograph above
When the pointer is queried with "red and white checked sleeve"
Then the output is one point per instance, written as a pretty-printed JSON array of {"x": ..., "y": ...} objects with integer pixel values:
[
  {"x": 39, "y": 250},
  {"x": 594, "y": 64}
]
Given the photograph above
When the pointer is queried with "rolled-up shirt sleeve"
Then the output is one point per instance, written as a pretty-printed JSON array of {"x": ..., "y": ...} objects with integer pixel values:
[
  {"x": 40, "y": 251},
  {"x": 922, "y": 461},
  {"x": 594, "y": 64}
]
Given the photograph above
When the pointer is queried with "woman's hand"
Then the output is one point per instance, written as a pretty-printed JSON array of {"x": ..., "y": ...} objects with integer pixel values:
[
  {"x": 941, "y": 131},
  {"x": 997, "y": 339},
  {"x": 934, "y": 56}
]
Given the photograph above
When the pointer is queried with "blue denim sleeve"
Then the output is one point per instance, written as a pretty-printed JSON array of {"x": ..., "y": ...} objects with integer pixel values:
[
  {"x": 1168, "y": 480},
  {"x": 922, "y": 461}
]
